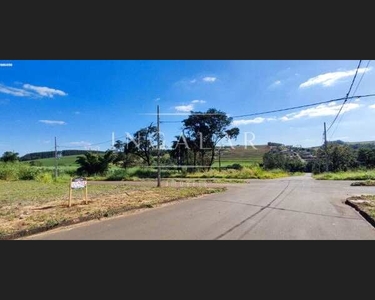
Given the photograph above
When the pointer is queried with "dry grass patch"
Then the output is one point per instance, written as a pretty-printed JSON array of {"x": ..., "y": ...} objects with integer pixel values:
[{"x": 28, "y": 206}]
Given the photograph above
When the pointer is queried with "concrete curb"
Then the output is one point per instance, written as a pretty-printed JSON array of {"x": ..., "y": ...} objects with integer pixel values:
[{"x": 362, "y": 213}]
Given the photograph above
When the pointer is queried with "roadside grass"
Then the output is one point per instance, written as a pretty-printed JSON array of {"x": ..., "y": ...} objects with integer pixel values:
[
  {"x": 350, "y": 175},
  {"x": 364, "y": 183},
  {"x": 249, "y": 162},
  {"x": 26, "y": 206},
  {"x": 253, "y": 172},
  {"x": 365, "y": 203}
]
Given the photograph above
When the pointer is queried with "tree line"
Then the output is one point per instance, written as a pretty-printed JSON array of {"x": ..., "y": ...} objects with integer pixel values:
[
  {"x": 195, "y": 147},
  {"x": 339, "y": 157}
]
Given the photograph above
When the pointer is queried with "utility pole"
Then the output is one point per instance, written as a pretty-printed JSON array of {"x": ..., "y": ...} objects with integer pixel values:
[
  {"x": 219, "y": 160},
  {"x": 158, "y": 137},
  {"x": 55, "y": 159},
  {"x": 326, "y": 147}
]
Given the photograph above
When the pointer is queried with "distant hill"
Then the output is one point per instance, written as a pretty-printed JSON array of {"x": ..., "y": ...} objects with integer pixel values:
[{"x": 51, "y": 154}]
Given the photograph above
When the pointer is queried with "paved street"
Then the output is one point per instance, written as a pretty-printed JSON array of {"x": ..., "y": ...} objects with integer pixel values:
[{"x": 288, "y": 208}]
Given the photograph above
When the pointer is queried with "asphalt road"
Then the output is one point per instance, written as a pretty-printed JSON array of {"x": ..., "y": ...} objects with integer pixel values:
[{"x": 288, "y": 208}]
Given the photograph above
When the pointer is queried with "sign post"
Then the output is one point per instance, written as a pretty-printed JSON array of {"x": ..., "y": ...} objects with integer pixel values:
[{"x": 78, "y": 183}]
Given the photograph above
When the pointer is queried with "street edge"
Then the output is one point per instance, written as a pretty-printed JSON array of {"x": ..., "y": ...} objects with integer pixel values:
[{"x": 361, "y": 212}]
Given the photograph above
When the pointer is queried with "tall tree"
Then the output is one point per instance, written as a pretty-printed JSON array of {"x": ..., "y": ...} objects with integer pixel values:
[
  {"x": 10, "y": 156},
  {"x": 123, "y": 155},
  {"x": 206, "y": 130},
  {"x": 143, "y": 143}
]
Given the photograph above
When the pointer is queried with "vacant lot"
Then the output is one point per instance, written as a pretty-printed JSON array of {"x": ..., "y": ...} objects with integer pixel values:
[{"x": 29, "y": 205}]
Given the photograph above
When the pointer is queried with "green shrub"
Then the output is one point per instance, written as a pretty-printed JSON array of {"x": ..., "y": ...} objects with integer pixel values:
[
  {"x": 44, "y": 178},
  {"x": 234, "y": 166},
  {"x": 8, "y": 171},
  {"x": 26, "y": 172},
  {"x": 118, "y": 175},
  {"x": 17, "y": 171}
]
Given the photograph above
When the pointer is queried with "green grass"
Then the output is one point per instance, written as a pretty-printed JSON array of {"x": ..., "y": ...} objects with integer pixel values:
[
  {"x": 63, "y": 161},
  {"x": 250, "y": 172},
  {"x": 242, "y": 155},
  {"x": 350, "y": 175},
  {"x": 243, "y": 163},
  {"x": 364, "y": 183}
]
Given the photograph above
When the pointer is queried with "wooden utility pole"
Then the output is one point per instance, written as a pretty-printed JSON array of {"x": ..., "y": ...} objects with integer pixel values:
[
  {"x": 158, "y": 138},
  {"x": 326, "y": 147},
  {"x": 219, "y": 160},
  {"x": 55, "y": 159}
]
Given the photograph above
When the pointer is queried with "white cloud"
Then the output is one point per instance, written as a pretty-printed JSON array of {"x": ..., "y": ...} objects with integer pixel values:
[
  {"x": 29, "y": 90},
  {"x": 193, "y": 81},
  {"x": 189, "y": 107},
  {"x": 257, "y": 120},
  {"x": 14, "y": 91},
  {"x": 329, "y": 79},
  {"x": 372, "y": 106},
  {"x": 52, "y": 122},
  {"x": 322, "y": 110},
  {"x": 184, "y": 108},
  {"x": 209, "y": 79},
  {"x": 275, "y": 84},
  {"x": 77, "y": 112},
  {"x": 319, "y": 111},
  {"x": 44, "y": 91}
]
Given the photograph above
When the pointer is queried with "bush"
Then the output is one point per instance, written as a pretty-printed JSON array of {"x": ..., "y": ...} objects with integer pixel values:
[
  {"x": 118, "y": 175},
  {"x": 234, "y": 166},
  {"x": 8, "y": 171},
  {"x": 44, "y": 178},
  {"x": 17, "y": 171}
]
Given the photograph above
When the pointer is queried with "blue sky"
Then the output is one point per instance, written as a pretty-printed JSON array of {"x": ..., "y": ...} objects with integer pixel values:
[{"x": 83, "y": 102}]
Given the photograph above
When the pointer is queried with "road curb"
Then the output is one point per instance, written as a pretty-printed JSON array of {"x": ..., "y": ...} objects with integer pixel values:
[{"x": 362, "y": 212}]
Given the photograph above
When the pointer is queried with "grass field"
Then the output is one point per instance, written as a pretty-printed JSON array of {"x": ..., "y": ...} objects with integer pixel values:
[
  {"x": 350, "y": 175},
  {"x": 63, "y": 161},
  {"x": 242, "y": 155},
  {"x": 29, "y": 205}
]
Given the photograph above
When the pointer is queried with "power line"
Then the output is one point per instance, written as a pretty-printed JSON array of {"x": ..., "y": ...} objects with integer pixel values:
[
  {"x": 360, "y": 80},
  {"x": 342, "y": 116},
  {"x": 290, "y": 108},
  {"x": 347, "y": 96}
]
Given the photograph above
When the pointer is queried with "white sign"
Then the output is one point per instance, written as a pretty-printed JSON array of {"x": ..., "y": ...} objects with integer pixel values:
[{"x": 78, "y": 183}]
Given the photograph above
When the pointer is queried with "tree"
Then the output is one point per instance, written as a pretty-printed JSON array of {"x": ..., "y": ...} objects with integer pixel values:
[
  {"x": 366, "y": 157},
  {"x": 340, "y": 158},
  {"x": 123, "y": 156},
  {"x": 277, "y": 159},
  {"x": 205, "y": 130},
  {"x": 92, "y": 164},
  {"x": 10, "y": 156},
  {"x": 143, "y": 143}
]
